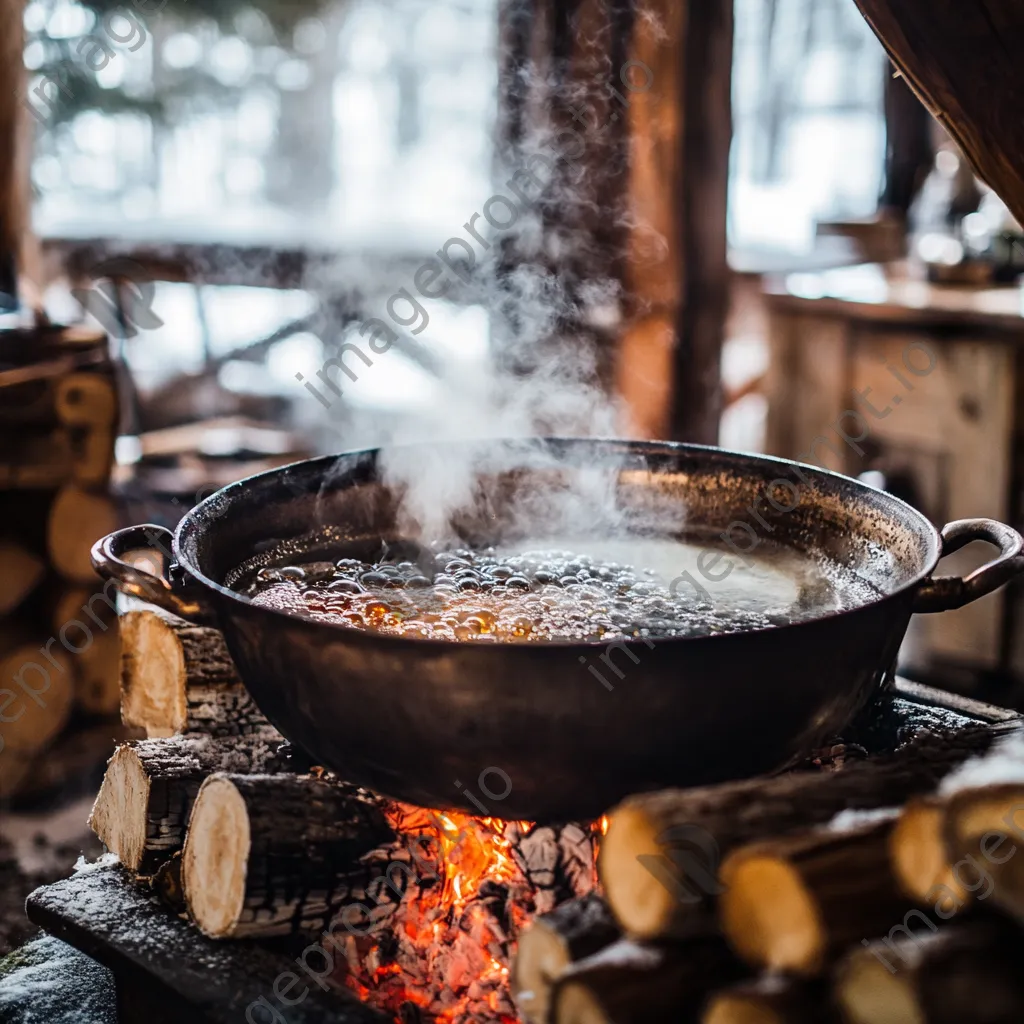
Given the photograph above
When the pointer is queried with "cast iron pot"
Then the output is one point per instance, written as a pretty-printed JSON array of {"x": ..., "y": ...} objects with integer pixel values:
[{"x": 526, "y": 731}]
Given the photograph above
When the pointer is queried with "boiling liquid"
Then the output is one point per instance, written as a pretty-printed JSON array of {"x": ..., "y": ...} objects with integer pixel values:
[{"x": 627, "y": 588}]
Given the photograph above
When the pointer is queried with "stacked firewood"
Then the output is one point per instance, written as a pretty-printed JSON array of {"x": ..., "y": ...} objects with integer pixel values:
[
  {"x": 887, "y": 892},
  {"x": 58, "y": 640},
  {"x": 238, "y": 831},
  {"x": 884, "y": 891}
]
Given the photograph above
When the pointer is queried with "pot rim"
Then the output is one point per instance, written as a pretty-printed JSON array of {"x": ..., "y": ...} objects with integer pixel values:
[{"x": 190, "y": 522}]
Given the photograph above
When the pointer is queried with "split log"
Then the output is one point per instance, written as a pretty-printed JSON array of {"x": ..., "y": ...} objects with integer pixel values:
[
  {"x": 176, "y": 677},
  {"x": 659, "y": 860},
  {"x": 963, "y": 974},
  {"x": 266, "y": 855},
  {"x": 627, "y": 983},
  {"x": 36, "y": 701},
  {"x": 772, "y": 999},
  {"x": 21, "y": 572},
  {"x": 78, "y": 518},
  {"x": 149, "y": 788},
  {"x": 572, "y": 932},
  {"x": 917, "y": 850},
  {"x": 796, "y": 904}
]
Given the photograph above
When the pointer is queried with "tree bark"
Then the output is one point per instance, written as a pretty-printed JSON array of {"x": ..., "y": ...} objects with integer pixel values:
[
  {"x": 796, "y": 904},
  {"x": 268, "y": 855},
  {"x": 966, "y": 972},
  {"x": 659, "y": 860},
  {"x": 630, "y": 984},
  {"x": 147, "y": 794},
  {"x": 179, "y": 678},
  {"x": 771, "y": 999}
]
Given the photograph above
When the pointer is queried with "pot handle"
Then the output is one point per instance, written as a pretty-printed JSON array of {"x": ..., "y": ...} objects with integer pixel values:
[
  {"x": 944, "y": 593},
  {"x": 172, "y": 594}
]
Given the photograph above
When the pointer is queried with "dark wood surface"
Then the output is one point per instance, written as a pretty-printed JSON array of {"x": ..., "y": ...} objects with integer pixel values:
[
  {"x": 962, "y": 57},
  {"x": 102, "y": 913}
]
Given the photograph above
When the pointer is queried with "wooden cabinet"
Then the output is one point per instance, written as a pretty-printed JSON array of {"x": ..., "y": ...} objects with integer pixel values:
[{"x": 915, "y": 387}]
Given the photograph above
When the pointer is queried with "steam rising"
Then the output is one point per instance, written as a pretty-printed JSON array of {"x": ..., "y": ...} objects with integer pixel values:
[{"x": 549, "y": 311}]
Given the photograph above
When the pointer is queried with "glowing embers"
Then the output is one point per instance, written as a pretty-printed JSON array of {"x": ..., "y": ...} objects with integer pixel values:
[{"x": 472, "y": 885}]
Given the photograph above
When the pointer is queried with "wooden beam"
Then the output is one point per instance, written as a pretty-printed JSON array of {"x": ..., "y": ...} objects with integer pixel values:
[
  {"x": 962, "y": 59},
  {"x": 13, "y": 195},
  {"x": 702, "y": 190}
]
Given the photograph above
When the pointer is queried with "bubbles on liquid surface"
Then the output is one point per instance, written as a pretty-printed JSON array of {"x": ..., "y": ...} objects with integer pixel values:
[{"x": 533, "y": 596}]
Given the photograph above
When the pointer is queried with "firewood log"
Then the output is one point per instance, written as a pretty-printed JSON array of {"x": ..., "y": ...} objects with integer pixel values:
[
  {"x": 659, "y": 858},
  {"x": 149, "y": 787},
  {"x": 167, "y": 885},
  {"x": 36, "y": 697},
  {"x": 575, "y": 930},
  {"x": 627, "y": 983},
  {"x": 920, "y": 861},
  {"x": 78, "y": 518},
  {"x": 795, "y": 904},
  {"x": 984, "y": 833},
  {"x": 266, "y": 855},
  {"x": 176, "y": 677},
  {"x": 964, "y": 974},
  {"x": 771, "y": 999},
  {"x": 21, "y": 572}
]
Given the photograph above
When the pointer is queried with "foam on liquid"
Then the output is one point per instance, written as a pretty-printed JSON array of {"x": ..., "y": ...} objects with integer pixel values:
[{"x": 620, "y": 588}]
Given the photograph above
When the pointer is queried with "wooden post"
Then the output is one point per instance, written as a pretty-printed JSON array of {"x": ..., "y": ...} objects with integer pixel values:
[
  {"x": 13, "y": 194},
  {"x": 638, "y": 204},
  {"x": 702, "y": 193}
]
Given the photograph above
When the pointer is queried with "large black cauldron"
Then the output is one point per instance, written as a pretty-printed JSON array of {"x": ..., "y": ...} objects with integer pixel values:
[{"x": 525, "y": 731}]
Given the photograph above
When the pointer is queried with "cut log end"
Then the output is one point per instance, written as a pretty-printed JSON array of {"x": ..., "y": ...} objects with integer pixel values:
[
  {"x": 539, "y": 961},
  {"x": 984, "y": 827},
  {"x": 869, "y": 992},
  {"x": 771, "y": 999},
  {"x": 153, "y": 686},
  {"x": 769, "y": 915},
  {"x": 120, "y": 811},
  {"x": 730, "y": 1008},
  {"x": 216, "y": 856},
  {"x": 553, "y": 942},
  {"x": 630, "y": 852},
  {"x": 577, "y": 1004},
  {"x": 918, "y": 853}
]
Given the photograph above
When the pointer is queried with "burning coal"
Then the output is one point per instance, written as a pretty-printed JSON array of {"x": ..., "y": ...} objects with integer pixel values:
[{"x": 452, "y": 902}]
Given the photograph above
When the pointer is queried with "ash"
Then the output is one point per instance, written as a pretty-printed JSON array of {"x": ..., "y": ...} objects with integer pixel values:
[{"x": 444, "y": 928}]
